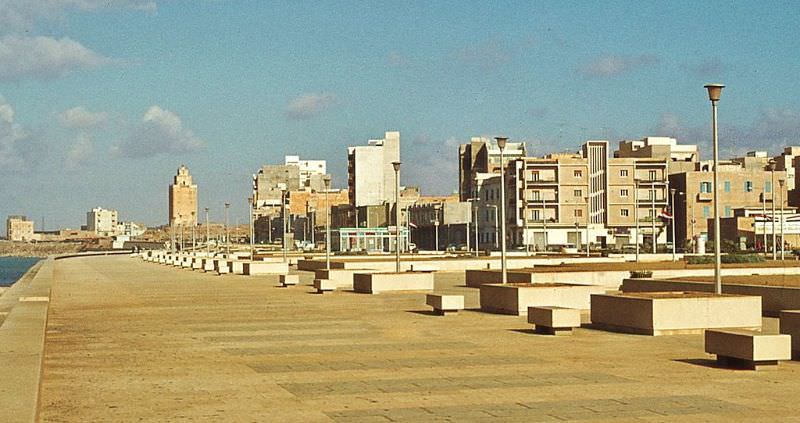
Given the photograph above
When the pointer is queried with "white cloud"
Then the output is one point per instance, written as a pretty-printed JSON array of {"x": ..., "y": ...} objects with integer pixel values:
[
  {"x": 80, "y": 118},
  {"x": 79, "y": 152},
  {"x": 22, "y": 15},
  {"x": 160, "y": 132},
  {"x": 43, "y": 57},
  {"x": 308, "y": 106},
  {"x": 606, "y": 66},
  {"x": 12, "y": 137}
]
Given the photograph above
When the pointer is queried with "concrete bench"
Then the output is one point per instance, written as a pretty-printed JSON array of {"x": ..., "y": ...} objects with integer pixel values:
[
  {"x": 324, "y": 285},
  {"x": 289, "y": 280},
  {"x": 790, "y": 325},
  {"x": 554, "y": 320},
  {"x": 748, "y": 349},
  {"x": 444, "y": 304}
]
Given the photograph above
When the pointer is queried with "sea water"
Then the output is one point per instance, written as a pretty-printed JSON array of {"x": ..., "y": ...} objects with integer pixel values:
[{"x": 12, "y": 268}]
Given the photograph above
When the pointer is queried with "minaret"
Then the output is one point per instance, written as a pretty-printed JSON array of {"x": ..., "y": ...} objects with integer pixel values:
[{"x": 183, "y": 199}]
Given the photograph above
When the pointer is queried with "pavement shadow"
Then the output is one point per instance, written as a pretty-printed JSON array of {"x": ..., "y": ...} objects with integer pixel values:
[
  {"x": 526, "y": 331},
  {"x": 703, "y": 362},
  {"x": 424, "y": 312}
]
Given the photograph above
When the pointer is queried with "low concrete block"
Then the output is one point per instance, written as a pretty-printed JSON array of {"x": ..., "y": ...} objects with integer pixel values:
[
  {"x": 265, "y": 268},
  {"x": 222, "y": 266},
  {"x": 554, "y": 320},
  {"x": 516, "y": 298},
  {"x": 208, "y": 265},
  {"x": 324, "y": 285},
  {"x": 445, "y": 304},
  {"x": 341, "y": 278},
  {"x": 666, "y": 313},
  {"x": 289, "y": 280},
  {"x": 748, "y": 349},
  {"x": 375, "y": 283},
  {"x": 790, "y": 325}
]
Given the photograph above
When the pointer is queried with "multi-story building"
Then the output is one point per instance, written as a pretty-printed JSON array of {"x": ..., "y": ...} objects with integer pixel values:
[
  {"x": 101, "y": 221},
  {"x": 571, "y": 199},
  {"x": 740, "y": 188},
  {"x": 480, "y": 156},
  {"x": 681, "y": 157},
  {"x": 182, "y": 199},
  {"x": 441, "y": 224},
  {"x": 310, "y": 172},
  {"x": 370, "y": 173},
  {"x": 19, "y": 228}
]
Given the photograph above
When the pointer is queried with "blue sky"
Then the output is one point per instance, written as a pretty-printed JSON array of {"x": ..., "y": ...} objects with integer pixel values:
[{"x": 103, "y": 100}]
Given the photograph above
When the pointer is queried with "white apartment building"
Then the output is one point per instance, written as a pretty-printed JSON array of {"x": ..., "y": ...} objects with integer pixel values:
[
  {"x": 101, "y": 221},
  {"x": 311, "y": 172},
  {"x": 370, "y": 173}
]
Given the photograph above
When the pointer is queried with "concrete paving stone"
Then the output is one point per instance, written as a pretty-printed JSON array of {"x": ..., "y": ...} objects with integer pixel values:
[{"x": 129, "y": 340}]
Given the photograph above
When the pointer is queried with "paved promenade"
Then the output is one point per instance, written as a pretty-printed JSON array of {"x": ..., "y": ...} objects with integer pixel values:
[{"x": 134, "y": 341}]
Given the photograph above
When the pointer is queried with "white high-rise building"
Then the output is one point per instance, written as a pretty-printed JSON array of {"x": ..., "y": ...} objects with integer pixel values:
[{"x": 370, "y": 171}]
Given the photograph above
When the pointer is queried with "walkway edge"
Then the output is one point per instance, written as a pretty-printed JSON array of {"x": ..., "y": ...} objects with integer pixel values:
[{"x": 22, "y": 341}]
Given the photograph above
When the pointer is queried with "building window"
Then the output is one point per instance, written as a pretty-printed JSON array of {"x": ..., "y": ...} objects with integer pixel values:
[
  {"x": 535, "y": 175},
  {"x": 577, "y": 193},
  {"x": 535, "y": 215},
  {"x": 728, "y": 211},
  {"x": 623, "y": 193},
  {"x": 578, "y": 213},
  {"x": 727, "y": 186},
  {"x": 623, "y": 212},
  {"x": 748, "y": 186},
  {"x": 652, "y": 175},
  {"x": 578, "y": 173},
  {"x": 706, "y": 212},
  {"x": 705, "y": 187},
  {"x": 535, "y": 195},
  {"x": 623, "y": 173},
  {"x": 767, "y": 186}
]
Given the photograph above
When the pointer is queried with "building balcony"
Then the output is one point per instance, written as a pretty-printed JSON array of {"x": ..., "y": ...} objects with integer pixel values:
[
  {"x": 705, "y": 196},
  {"x": 543, "y": 181}
]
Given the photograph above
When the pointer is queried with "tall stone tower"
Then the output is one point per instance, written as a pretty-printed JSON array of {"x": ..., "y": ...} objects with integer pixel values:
[{"x": 183, "y": 199}]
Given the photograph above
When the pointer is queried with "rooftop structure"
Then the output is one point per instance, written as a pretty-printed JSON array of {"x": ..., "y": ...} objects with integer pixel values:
[{"x": 482, "y": 155}]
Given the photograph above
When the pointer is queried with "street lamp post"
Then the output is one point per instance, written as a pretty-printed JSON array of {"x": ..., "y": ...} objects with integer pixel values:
[
  {"x": 588, "y": 219},
  {"x": 252, "y": 231},
  {"x": 194, "y": 226},
  {"x": 714, "y": 93},
  {"x": 227, "y": 231},
  {"x": 653, "y": 219},
  {"x": 780, "y": 200},
  {"x": 283, "y": 223},
  {"x": 208, "y": 235},
  {"x": 636, "y": 215},
  {"x": 474, "y": 203},
  {"x": 501, "y": 144},
  {"x": 327, "y": 181},
  {"x": 396, "y": 166},
  {"x": 764, "y": 216},
  {"x": 772, "y": 189},
  {"x": 672, "y": 192}
]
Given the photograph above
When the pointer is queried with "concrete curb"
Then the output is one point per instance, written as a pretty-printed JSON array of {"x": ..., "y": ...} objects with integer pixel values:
[{"x": 22, "y": 340}]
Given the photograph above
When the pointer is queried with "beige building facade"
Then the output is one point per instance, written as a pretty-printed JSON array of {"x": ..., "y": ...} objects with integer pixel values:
[
  {"x": 19, "y": 228},
  {"x": 183, "y": 199},
  {"x": 740, "y": 188}
]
